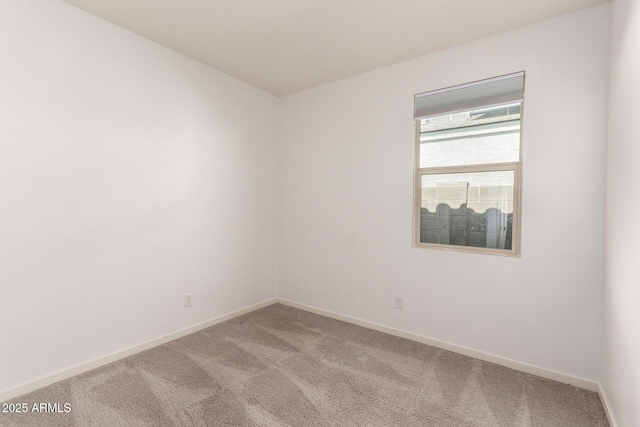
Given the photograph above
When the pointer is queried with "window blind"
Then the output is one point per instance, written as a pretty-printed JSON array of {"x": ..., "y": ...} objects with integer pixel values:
[{"x": 484, "y": 93}]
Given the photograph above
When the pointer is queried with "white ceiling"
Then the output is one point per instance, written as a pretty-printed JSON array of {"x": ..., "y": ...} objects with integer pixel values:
[{"x": 283, "y": 46}]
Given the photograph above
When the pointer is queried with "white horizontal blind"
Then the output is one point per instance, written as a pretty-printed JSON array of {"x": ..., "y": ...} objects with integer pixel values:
[{"x": 483, "y": 93}]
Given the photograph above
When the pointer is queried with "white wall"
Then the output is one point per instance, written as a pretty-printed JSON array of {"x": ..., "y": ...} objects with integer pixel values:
[
  {"x": 346, "y": 194},
  {"x": 129, "y": 176},
  {"x": 621, "y": 343}
]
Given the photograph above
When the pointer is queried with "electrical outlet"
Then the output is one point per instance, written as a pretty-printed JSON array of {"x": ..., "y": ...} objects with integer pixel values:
[
  {"x": 397, "y": 301},
  {"x": 188, "y": 300}
]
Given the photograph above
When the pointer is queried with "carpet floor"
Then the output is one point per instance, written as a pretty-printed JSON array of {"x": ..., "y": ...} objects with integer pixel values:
[{"x": 280, "y": 366}]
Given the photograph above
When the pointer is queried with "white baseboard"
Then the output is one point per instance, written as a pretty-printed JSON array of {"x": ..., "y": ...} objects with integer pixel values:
[
  {"x": 519, "y": 366},
  {"x": 606, "y": 406},
  {"x": 113, "y": 357}
]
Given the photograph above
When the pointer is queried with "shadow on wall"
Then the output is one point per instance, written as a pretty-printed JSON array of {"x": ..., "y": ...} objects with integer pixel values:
[{"x": 465, "y": 227}]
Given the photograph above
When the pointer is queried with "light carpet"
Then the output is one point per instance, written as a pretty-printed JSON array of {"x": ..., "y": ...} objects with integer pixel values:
[{"x": 280, "y": 366}]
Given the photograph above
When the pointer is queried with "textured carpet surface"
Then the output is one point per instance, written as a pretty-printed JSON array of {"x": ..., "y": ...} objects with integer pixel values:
[{"x": 280, "y": 366}]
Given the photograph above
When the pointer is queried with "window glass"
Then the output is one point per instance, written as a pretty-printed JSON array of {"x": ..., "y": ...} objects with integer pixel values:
[
  {"x": 471, "y": 138},
  {"x": 468, "y": 209}
]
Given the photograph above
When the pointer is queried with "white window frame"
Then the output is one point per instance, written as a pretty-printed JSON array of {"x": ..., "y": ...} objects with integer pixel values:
[{"x": 516, "y": 167}]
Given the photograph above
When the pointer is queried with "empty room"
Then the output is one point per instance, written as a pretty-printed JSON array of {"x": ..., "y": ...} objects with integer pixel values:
[{"x": 319, "y": 213}]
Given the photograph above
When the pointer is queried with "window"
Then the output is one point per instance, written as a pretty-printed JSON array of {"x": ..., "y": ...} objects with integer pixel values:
[{"x": 467, "y": 186}]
